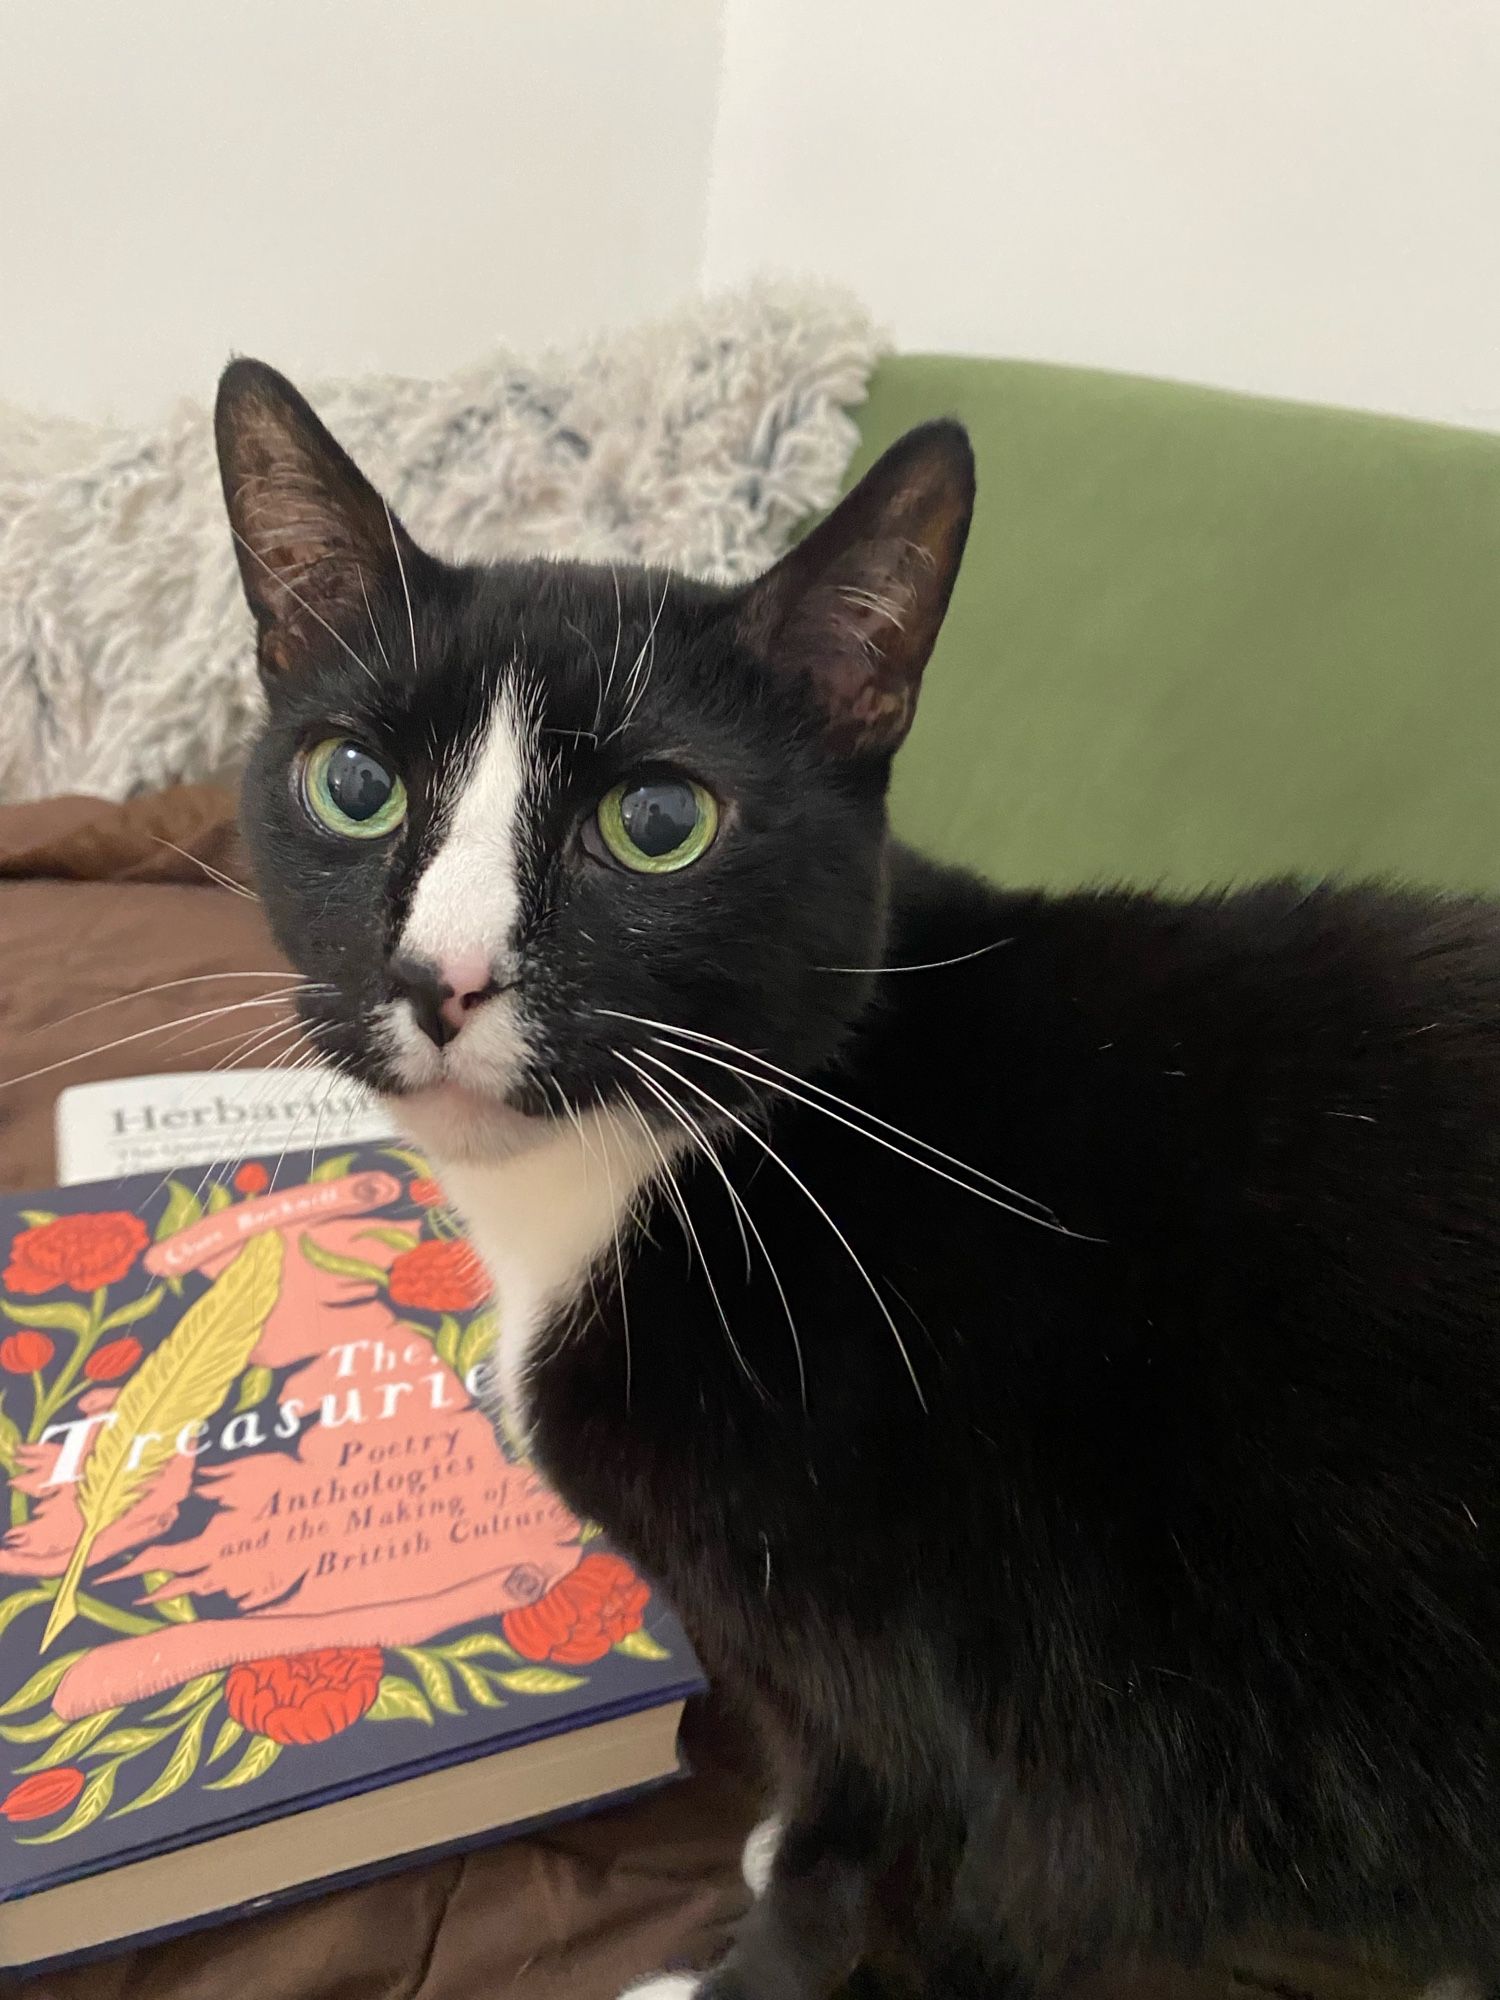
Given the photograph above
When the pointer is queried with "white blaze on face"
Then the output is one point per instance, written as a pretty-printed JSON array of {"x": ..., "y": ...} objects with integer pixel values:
[{"x": 465, "y": 907}]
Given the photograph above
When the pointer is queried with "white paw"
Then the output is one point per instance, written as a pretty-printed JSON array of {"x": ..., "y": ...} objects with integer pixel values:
[
  {"x": 1451, "y": 1989},
  {"x": 759, "y": 1856},
  {"x": 670, "y": 1986}
]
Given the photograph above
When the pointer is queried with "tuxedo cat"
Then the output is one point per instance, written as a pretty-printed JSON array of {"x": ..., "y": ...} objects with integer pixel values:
[{"x": 1045, "y": 1346}]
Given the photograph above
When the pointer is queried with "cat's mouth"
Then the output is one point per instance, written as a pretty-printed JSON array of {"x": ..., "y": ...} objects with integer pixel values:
[
  {"x": 452, "y": 1122},
  {"x": 466, "y": 1100}
]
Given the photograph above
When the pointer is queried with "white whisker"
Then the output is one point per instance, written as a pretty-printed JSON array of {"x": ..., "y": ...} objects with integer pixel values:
[
  {"x": 611, "y": 1129},
  {"x": 216, "y": 875},
  {"x": 687, "y": 1220},
  {"x": 931, "y": 965},
  {"x": 405, "y": 587},
  {"x": 1046, "y": 1215},
  {"x": 374, "y": 628},
  {"x": 166, "y": 986},
  {"x": 785, "y": 1090},
  {"x": 141, "y": 1034},
  {"x": 746, "y": 1219},
  {"x": 669, "y": 1187},
  {"x": 796, "y": 1179},
  {"x": 278, "y": 578}
]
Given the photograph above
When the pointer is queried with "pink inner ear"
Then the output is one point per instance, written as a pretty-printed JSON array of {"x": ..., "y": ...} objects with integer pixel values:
[
  {"x": 853, "y": 611},
  {"x": 863, "y": 634},
  {"x": 314, "y": 540}
]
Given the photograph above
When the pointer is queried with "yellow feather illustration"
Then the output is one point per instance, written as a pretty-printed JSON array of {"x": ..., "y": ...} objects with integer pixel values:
[{"x": 181, "y": 1384}]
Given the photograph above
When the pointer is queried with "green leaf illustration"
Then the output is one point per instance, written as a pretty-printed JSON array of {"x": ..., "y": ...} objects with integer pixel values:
[
  {"x": 433, "y": 1674},
  {"x": 341, "y": 1267},
  {"x": 478, "y": 1341},
  {"x": 38, "y": 1218},
  {"x": 183, "y": 1209},
  {"x": 590, "y": 1532},
  {"x": 179, "y": 1610},
  {"x": 219, "y": 1198},
  {"x": 127, "y": 1742},
  {"x": 414, "y": 1162},
  {"x": 641, "y": 1646},
  {"x": 187, "y": 1696},
  {"x": 446, "y": 1339},
  {"x": 111, "y": 1615},
  {"x": 398, "y": 1700},
  {"x": 74, "y": 1740},
  {"x": 19, "y": 1601},
  {"x": 43, "y": 1684},
  {"x": 41, "y": 1731},
  {"x": 178, "y": 1768},
  {"x": 260, "y": 1754},
  {"x": 138, "y": 1309},
  {"x": 540, "y": 1680},
  {"x": 393, "y": 1239},
  {"x": 61, "y": 1318},
  {"x": 10, "y": 1438},
  {"x": 477, "y": 1646},
  {"x": 255, "y": 1386},
  {"x": 92, "y": 1804},
  {"x": 477, "y": 1686},
  {"x": 334, "y": 1169},
  {"x": 229, "y": 1734}
]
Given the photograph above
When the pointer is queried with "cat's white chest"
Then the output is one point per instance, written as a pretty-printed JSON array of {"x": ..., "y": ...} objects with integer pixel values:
[{"x": 540, "y": 1220}]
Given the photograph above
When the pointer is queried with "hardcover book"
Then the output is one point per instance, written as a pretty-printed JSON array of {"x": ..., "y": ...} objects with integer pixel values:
[{"x": 277, "y": 1602}]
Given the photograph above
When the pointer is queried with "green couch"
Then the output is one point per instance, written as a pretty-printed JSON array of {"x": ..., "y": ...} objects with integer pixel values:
[{"x": 1200, "y": 637}]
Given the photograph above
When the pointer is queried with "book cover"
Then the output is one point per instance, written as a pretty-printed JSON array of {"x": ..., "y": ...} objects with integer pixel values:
[
  {"x": 166, "y": 1123},
  {"x": 264, "y": 1547}
]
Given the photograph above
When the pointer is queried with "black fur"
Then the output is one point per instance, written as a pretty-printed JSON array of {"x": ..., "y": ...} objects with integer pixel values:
[{"x": 1133, "y": 1579}]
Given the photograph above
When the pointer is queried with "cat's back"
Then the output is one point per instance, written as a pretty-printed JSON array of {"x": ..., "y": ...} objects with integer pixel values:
[
  {"x": 1155, "y": 1061},
  {"x": 1270, "y": 1123}
]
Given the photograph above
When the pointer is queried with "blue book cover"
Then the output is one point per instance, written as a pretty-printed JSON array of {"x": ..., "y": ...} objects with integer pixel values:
[{"x": 266, "y": 1549}]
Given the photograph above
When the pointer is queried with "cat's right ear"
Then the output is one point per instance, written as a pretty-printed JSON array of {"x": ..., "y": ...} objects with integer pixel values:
[
  {"x": 317, "y": 546},
  {"x": 851, "y": 613}
]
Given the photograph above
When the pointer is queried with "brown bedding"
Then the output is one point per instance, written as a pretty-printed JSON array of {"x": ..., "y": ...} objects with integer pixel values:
[{"x": 97, "y": 902}]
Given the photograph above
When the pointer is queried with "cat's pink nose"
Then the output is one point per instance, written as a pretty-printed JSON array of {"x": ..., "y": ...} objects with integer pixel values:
[
  {"x": 443, "y": 996},
  {"x": 469, "y": 981}
]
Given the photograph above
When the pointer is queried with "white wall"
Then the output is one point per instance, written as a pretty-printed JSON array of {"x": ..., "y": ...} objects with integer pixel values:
[
  {"x": 1294, "y": 196},
  {"x": 336, "y": 184}
]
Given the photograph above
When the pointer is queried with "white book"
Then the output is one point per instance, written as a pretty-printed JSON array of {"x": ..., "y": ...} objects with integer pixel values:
[{"x": 189, "y": 1118}]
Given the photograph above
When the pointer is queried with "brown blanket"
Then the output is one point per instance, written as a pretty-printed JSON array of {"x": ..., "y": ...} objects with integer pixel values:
[{"x": 99, "y": 902}]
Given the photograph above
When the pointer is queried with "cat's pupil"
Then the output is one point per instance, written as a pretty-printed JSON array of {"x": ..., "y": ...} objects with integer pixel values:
[
  {"x": 358, "y": 783},
  {"x": 659, "y": 816}
]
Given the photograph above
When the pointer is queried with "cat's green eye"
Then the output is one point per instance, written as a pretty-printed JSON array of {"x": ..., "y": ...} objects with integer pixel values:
[
  {"x": 655, "y": 825},
  {"x": 350, "y": 791}
]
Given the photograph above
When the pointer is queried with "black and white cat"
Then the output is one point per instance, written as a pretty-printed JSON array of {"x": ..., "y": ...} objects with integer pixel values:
[{"x": 1045, "y": 1346}]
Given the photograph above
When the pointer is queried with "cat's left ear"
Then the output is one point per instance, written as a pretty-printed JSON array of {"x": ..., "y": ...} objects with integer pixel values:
[
  {"x": 317, "y": 546},
  {"x": 854, "y": 609}
]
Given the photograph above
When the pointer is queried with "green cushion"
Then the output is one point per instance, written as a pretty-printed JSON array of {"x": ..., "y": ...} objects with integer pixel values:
[{"x": 1200, "y": 637}]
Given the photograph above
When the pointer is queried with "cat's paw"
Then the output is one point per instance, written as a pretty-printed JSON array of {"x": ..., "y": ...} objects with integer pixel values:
[
  {"x": 666, "y": 1986},
  {"x": 758, "y": 1856}
]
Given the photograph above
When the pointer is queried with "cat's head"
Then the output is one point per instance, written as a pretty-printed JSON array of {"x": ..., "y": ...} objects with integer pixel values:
[{"x": 506, "y": 816}]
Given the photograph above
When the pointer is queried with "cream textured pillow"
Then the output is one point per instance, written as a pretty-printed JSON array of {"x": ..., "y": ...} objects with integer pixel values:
[{"x": 125, "y": 654}]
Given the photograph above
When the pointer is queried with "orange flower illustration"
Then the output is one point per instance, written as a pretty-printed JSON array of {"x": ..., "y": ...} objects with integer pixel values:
[
  {"x": 25, "y": 1352},
  {"x": 580, "y": 1618},
  {"x": 439, "y": 1277},
  {"x": 304, "y": 1697},
  {"x": 80, "y": 1251},
  {"x": 114, "y": 1359},
  {"x": 426, "y": 1191},
  {"x": 43, "y": 1793},
  {"x": 252, "y": 1178}
]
